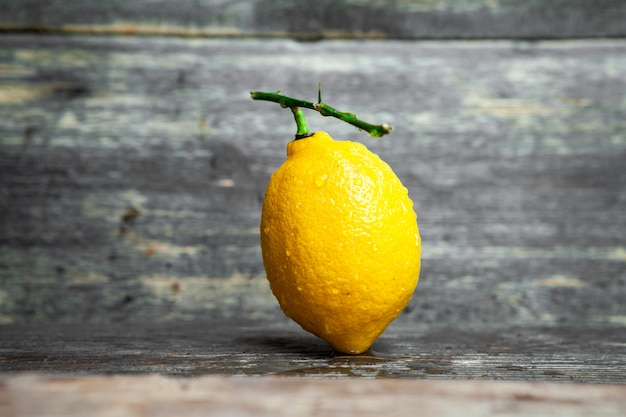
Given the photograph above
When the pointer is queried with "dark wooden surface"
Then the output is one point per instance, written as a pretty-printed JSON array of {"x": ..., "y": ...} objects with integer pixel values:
[
  {"x": 413, "y": 19},
  {"x": 579, "y": 354},
  {"x": 132, "y": 172}
]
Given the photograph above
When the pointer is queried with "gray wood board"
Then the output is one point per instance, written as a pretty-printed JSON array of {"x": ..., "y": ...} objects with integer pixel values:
[
  {"x": 235, "y": 347},
  {"x": 434, "y": 19},
  {"x": 132, "y": 173}
]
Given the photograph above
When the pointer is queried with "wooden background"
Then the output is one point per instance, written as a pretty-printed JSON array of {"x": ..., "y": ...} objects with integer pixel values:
[
  {"x": 406, "y": 19},
  {"x": 133, "y": 165},
  {"x": 133, "y": 171}
]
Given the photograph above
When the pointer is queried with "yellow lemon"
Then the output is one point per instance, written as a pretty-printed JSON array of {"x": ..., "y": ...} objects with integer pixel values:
[{"x": 340, "y": 241}]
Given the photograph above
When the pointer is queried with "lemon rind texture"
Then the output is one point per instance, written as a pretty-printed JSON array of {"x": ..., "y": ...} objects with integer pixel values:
[{"x": 340, "y": 241}]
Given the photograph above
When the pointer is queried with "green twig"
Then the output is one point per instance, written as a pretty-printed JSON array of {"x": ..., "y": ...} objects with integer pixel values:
[
  {"x": 324, "y": 109},
  {"x": 303, "y": 129}
]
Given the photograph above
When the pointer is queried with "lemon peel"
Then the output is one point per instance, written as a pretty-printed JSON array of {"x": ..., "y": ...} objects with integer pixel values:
[{"x": 340, "y": 241}]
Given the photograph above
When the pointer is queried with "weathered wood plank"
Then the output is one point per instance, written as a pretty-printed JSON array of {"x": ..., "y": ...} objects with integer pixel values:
[
  {"x": 132, "y": 172},
  {"x": 575, "y": 353},
  {"x": 434, "y": 19},
  {"x": 156, "y": 396}
]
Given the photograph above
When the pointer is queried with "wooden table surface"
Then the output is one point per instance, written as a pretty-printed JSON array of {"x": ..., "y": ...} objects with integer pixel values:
[
  {"x": 190, "y": 368},
  {"x": 235, "y": 348},
  {"x": 154, "y": 395},
  {"x": 132, "y": 170}
]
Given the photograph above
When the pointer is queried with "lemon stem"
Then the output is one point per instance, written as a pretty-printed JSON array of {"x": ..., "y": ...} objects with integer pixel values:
[
  {"x": 303, "y": 129},
  {"x": 323, "y": 109}
]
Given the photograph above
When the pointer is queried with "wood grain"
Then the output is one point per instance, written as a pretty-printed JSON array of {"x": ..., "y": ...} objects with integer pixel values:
[
  {"x": 132, "y": 172},
  {"x": 158, "y": 396},
  {"x": 256, "y": 348},
  {"x": 302, "y": 19}
]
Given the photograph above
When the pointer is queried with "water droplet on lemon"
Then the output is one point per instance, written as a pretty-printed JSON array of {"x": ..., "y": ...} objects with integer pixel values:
[{"x": 320, "y": 180}]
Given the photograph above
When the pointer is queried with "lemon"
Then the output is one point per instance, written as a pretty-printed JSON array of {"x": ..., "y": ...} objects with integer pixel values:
[{"x": 340, "y": 241}]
